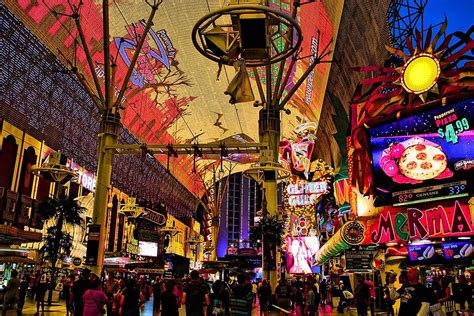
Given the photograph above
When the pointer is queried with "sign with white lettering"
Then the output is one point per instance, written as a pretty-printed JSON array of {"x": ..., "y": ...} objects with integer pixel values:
[
  {"x": 359, "y": 259},
  {"x": 305, "y": 193},
  {"x": 88, "y": 181}
]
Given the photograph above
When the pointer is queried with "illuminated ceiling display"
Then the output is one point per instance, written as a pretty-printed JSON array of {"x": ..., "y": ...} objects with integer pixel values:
[{"x": 173, "y": 95}]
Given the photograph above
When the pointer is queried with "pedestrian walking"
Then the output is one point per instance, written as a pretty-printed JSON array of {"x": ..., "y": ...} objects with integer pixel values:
[
  {"x": 131, "y": 299},
  {"x": 11, "y": 296},
  {"x": 22, "y": 293},
  {"x": 157, "y": 289},
  {"x": 310, "y": 300},
  {"x": 195, "y": 296},
  {"x": 111, "y": 287},
  {"x": 219, "y": 300},
  {"x": 283, "y": 295},
  {"x": 413, "y": 295},
  {"x": 94, "y": 299},
  {"x": 362, "y": 297},
  {"x": 389, "y": 291},
  {"x": 170, "y": 300},
  {"x": 79, "y": 287},
  {"x": 67, "y": 293},
  {"x": 264, "y": 296},
  {"x": 41, "y": 289},
  {"x": 371, "y": 285}
]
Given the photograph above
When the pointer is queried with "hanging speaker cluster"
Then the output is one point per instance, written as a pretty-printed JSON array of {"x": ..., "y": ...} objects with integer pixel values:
[{"x": 55, "y": 168}]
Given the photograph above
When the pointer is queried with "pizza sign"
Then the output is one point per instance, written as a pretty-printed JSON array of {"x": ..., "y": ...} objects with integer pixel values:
[{"x": 425, "y": 156}]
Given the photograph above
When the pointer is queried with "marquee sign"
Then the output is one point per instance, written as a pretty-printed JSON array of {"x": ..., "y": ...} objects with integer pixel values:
[
  {"x": 88, "y": 180},
  {"x": 305, "y": 193},
  {"x": 434, "y": 221},
  {"x": 154, "y": 217}
]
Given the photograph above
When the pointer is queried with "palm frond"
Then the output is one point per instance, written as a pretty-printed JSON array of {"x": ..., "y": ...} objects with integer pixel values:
[{"x": 269, "y": 228}]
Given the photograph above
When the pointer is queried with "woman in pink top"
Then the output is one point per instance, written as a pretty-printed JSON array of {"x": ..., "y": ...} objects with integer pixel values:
[{"x": 94, "y": 299}]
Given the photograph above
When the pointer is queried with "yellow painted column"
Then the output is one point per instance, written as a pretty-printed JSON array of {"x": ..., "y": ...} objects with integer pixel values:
[
  {"x": 269, "y": 129},
  {"x": 108, "y": 136}
]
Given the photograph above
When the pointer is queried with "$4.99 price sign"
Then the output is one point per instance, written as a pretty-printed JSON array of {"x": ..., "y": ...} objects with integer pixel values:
[{"x": 451, "y": 130}]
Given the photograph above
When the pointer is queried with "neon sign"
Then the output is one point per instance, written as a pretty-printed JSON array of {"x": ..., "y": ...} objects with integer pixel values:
[
  {"x": 425, "y": 156},
  {"x": 300, "y": 194},
  {"x": 434, "y": 222},
  {"x": 450, "y": 125},
  {"x": 88, "y": 181}
]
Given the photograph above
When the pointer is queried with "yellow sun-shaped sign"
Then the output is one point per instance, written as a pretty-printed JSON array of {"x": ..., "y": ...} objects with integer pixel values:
[{"x": 420, "y": 73}]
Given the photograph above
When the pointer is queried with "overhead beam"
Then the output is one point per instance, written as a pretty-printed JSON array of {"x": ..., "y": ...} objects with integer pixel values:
[{"x": 187, "y": 149}]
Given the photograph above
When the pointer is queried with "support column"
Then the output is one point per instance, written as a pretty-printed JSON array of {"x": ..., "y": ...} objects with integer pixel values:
[
  {"x": 269, "y": 130},
  {"x": 108, "y": 136}
]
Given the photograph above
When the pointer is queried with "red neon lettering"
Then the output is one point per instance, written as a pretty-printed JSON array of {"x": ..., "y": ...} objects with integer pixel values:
[
  {"x": 385, "y": 229},
  {"x": 437, "y": 221},
  {"x": 460, "y": 222},
  {"x": 415, "y": 226}
]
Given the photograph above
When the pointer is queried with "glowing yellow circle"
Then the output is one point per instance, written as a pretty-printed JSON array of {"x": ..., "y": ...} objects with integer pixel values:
[{"x": 421, "y": 73}]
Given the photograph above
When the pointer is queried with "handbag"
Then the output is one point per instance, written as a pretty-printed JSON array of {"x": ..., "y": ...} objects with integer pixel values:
[{"x": 101, "y": 309}]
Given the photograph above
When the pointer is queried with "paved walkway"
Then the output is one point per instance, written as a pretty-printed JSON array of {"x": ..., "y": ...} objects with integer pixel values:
[{"x": 59, "y": 308}]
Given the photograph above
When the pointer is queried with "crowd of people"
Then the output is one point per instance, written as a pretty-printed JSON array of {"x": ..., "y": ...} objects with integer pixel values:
[
  {"x": 442, "y": 296},
  {"x": 17, "y": 290},
  {"x": 88, "y": 294}
]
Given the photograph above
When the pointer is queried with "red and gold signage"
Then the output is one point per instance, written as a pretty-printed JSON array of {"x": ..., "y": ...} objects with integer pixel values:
[{"x": 435, "y": 220}]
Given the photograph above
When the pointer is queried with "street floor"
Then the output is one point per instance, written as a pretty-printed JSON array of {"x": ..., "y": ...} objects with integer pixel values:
[{"x": 59, "y": 308}]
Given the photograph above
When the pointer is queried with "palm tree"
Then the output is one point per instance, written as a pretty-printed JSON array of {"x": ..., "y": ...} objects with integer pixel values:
[
  {"x": 57, "y": 242},
  {"x": 269, "y": 228},
  {"x": 270, "y": 231}
]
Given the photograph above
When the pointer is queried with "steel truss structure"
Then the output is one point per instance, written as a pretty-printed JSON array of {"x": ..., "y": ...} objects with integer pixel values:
[
  {"x": 403, "y": 18},
  {"x": 40, "y": 96}
]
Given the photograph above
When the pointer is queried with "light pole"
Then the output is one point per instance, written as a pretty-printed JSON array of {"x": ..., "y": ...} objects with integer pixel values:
[
  {"x": 259, "y": 36},
  {"x": 109, "y": 128}
]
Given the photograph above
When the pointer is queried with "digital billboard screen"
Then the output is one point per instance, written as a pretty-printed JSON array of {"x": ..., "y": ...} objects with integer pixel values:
[
  {"x": 420, "y": 252},
  {"x": 427, "y": 156},
  {"x": 148, "y": 249},
  {"x": 457, "y": 250},
  {"x": 300, "y": 255}
]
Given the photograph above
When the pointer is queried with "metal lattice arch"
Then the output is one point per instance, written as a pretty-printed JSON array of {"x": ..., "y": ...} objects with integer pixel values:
[{"x": 223, "y": 35}]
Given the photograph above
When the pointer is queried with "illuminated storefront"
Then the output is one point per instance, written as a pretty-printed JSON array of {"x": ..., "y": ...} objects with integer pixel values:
[{"x": 412, "y": 167}]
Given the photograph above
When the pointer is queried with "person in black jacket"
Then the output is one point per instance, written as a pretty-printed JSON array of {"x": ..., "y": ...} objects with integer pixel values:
[
  {"x": 131, "y": 299},
  {"x": 157, "y": 287},
  {"x": 264, "y": 296},
  {"x": 195, "y": 296},
  {"x": 362, "y": 297},
  {"x": 169, "y": 300},
  {"x": 462, "y": 293}
]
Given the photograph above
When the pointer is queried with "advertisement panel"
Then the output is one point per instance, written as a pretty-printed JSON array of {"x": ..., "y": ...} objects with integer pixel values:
[
  {"x": 93, "y": 239},
  {"x": 300, "y": 255},
  {"x": 148, "y": 249},
  {"x": 359, "y": 259},
  {"x": 427, "y": 156},
  {"x": 457, "y": 249},
  {"x": 420, "y": 252}
]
